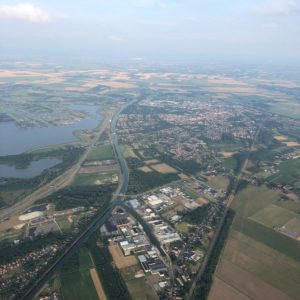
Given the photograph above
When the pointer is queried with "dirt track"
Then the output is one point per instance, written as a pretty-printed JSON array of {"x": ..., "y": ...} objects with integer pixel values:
[{"x": 97, "y": 284}]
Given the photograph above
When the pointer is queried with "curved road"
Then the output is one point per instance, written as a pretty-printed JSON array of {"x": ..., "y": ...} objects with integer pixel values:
[{"x": 98, "y": 220}]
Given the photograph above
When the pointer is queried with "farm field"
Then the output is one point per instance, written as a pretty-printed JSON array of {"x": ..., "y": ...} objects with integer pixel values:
[
  {"x": 164, "y": 168},
  {"x": 120, "y": 259},
  {"x": 290, "y": 109},
  {"x": 248, "y": 284},
  {"x": 64, "y": 223},
  {"x": 145, "y": 169},
  {"x": 127, "y": 151},
  {"x": 83, "y": 289},
  {"x": 289, "y": 171},
  {"x": 218, "y": 182},
  {"x": 292, "y": 228},
  {"x": 93, "y": 179},
  {"x": 138, "y": 287},
  {"x": 224, "y": 291},
  {"x": 97, "y": 284},
  {"x": 82, "y": 276},
  {"x": 258, "y": 261},
  {"x": 273, "y": 215}
]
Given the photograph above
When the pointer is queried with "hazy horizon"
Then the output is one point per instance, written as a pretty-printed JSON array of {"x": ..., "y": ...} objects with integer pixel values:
[{"x": 159, "y": 30}]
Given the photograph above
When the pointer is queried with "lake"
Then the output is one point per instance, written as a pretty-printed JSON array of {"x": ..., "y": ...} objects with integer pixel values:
[
  {"x": 35, "y": 168},
  {"x": 15, "y": 140}
]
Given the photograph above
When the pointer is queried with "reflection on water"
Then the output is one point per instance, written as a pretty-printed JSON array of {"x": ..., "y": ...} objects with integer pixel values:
[{"x": 34, "y": 169}]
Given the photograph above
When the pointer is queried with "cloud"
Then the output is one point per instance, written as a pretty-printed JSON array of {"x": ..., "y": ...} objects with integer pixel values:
[
  {"x": 25, "y": 12},
  {"x": 277, "y": 8}
]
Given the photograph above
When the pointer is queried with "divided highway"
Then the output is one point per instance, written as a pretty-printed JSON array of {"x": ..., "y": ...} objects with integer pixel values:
[{"x": 98, "y": 220}]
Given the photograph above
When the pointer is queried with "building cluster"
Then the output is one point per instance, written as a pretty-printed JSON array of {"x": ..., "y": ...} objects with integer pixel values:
[
  {"x": 123, "y": 230},
  {"x": 26, "y": 267},
  {"x": 149, "y": 208},
  {"x": 186, "y": 129},
  {"x": 20, "y": 273}
]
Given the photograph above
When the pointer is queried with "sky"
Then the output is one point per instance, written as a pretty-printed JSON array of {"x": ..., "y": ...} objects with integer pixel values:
[{"x": 165, "y": 30}]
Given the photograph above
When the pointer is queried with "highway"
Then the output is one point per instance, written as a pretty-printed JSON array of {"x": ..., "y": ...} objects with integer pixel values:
[{"x": 98, "y": 220}]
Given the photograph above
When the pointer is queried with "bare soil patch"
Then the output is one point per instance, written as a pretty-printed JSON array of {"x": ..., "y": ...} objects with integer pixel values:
[
  {"x": 238, "y": 90},
  {"x": 98, "y": 169},
  {"x": 183, "y": 176},
  {"x": 112, "y": 84},
  {"x": 145, "y": 169},
  {"x": 120, "y": 259},
  {"x": 151, "y": 161},
  {"x": 201, "y": 201},
  {"x": 291, "y": 144},
  {"x": 164, "y": 168},
  {"x": 227, "y": 154},
  {"x": 280, "y": 138},
  {"x": 97, "y": 284},
  {"x": 29, "y": 216}
]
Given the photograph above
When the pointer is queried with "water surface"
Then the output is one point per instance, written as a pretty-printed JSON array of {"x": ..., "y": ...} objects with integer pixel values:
[
  {"x": 35, "y": 168},
  {"x": 15, "y": 140}
]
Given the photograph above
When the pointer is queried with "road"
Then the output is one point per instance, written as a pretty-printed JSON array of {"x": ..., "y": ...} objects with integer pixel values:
[
  {"x": 56, "y": 184},
  {"x": 218, "y": 230},
  {"x": 98, "y": 220}
]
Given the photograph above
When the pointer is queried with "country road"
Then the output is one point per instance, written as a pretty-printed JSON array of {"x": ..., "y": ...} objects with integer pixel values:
[{"x": 218, "y": 230}]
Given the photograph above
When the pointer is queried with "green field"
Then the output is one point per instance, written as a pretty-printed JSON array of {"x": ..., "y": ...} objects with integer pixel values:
[
  {"x": 235, "y": 146},
  {"x": 293, "y": 226},
  {"x": 219, "y": 182},
  {"x": 64, "y": 224},
  {"x": 78, "y": 285},
  {"x": 229, "y": 163},
  {"x": 182, "y": 227},
  {"x": 77, "y": 282},
  {"x": 127, "y": 151},
  {"x": 190, "y": 192},
  {"x": 270, "y": 237},
  {"x": 138, "y": 288},
  {"x": 101, "y": 153},
  {"x": 265, "y": 262},
  {"x": 273, "y": 215},
  {"x": 252, "y": 199},
  {"x": 289, "y": 172},
  {"x": 92, "y": 179},
  {"x": 256, "y": 247},
  {"x": 266, "y": 154},
  {"x": 85, "y": 259},
  {"x": 290, "y": 109}
]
